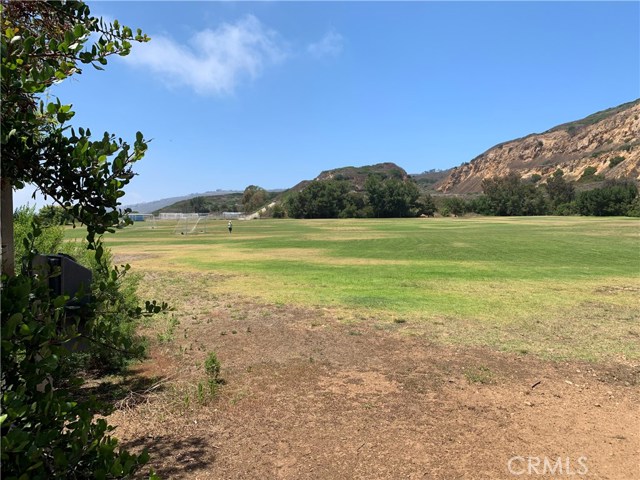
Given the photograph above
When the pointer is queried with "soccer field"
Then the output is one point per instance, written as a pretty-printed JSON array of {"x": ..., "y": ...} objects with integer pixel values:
[{"x": 556, "y": 287}]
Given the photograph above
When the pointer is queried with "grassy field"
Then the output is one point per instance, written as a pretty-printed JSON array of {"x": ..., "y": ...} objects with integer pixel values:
[{"x": 554, "y": 287}]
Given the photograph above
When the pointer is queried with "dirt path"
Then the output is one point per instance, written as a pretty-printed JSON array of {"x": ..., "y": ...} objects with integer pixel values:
[{"x": 308, "y": 397}]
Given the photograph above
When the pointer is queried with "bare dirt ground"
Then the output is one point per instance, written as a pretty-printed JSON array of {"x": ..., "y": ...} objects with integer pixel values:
[{"x": 310, "y": 397}]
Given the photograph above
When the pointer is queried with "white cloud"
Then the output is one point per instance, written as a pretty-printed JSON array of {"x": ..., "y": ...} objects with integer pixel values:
[
  {"x": 214, "y": 61},
  {"x": 328, "y": 46}
]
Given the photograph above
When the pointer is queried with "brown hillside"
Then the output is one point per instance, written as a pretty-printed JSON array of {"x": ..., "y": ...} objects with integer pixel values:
[{"x": 607, "y": 140}]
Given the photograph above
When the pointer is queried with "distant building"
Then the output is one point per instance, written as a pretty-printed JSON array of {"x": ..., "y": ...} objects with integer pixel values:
[{"x": 231, "y": 215}]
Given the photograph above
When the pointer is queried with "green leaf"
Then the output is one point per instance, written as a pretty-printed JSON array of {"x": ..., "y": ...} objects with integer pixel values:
[
  {"x": 12, "y": 323},
  {"x": 78, "y": 30},
  {"x": 28, "y": 44}
]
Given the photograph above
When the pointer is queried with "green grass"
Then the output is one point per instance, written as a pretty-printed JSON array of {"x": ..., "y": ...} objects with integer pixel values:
[{"x": 554, "y": 287}]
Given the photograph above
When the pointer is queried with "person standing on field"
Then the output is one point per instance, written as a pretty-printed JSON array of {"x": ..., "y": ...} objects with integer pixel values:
[{"x": 230, "y": 227}]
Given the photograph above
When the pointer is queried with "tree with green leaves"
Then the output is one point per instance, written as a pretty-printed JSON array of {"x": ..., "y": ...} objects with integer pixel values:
[
  {"x": 508, "y": 195},
  {"x": 49, "y": 432},
  {"x": 45, "y": 43},
  {"x": 319, "y": 199},
  {"x": 253, "y": 198},
  {"x": 615, "y": 197},
  {"x": 559, "y": 190},
  {"x": 391, "y": 197},
  {"x": 198, "y": 205}
]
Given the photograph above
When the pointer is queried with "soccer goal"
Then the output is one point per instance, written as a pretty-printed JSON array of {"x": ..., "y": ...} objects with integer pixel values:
[
  {"x": 189, "y": 224},
  {"x": 148, "y": 218}
]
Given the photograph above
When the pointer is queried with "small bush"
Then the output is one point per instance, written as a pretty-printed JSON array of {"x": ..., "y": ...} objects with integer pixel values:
[
  {"x": 615, "y": 161},
  {"x": 589, "y": 175},
  {"x": 48, "y": 241},
  {"x": 212, "y": 366},
  {"x": 117, "y": 299}
]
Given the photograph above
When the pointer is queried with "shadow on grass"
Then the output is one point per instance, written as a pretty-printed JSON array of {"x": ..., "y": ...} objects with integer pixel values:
[
  {"x": 174, "y": 456},
  {"x": 126, "y": 391}
]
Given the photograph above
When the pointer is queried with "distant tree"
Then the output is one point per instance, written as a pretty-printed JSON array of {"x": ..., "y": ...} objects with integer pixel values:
[
  {"x": 54, "y": 215},
  {"x": 426, "y": 205},
  {"x": 355, "y": 206},
  {"x": 319, "y": 199},
  {"x": 504, "y": 194},
  {"x": 559, "y": 190},
  {"x": 391, "y": 197},
  {"x": 508, "y": 195},
  {"x": 452, "y": 206},
  {"x": 253, "y": 198},
  {"x": 278, "y": 211},
  {"x": 198, "y": 205},
  {"x": 535, "y": 202},
  {"x": 480, "y": 205},
  {"x": 613, "y": 198},
  {"x": 634, "y": 208}
]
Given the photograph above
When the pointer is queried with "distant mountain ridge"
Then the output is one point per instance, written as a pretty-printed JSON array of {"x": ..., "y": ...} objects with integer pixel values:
[
  {"x": 149, "y": 207},
  {"x": 608, "y": 140}
]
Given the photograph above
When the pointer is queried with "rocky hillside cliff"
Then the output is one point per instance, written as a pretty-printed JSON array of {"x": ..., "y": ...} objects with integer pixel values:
[{"x": 607, "y": 140}]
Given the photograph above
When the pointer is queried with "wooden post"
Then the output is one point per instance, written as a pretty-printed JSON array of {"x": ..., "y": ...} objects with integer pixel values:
[{"x": 6, "y": 227}]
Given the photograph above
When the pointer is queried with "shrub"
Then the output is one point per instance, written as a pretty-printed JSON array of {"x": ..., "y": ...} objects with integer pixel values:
[
  {"x": 212, "y": 366},
  {"x": 589, "y": 175},
  {"x": 615, "y": 161},
  {"x": 49, "y": 239},
  {"x": 52, "y": 432},
  {"x": 114, "y": 295}
]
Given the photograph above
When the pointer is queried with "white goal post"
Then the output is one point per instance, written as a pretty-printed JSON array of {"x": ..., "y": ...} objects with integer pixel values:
[
  {"x": 143, "y": 217},
  {"x": 190, "y": 223}
]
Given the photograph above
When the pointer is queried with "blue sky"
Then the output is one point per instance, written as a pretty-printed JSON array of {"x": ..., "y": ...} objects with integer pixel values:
[{"x": 272, "y": 93}]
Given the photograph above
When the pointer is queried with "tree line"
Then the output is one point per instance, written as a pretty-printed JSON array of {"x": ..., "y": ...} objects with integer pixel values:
[
  {"x": 509, "y": 195},
  {"x": 382, "y": 197}
]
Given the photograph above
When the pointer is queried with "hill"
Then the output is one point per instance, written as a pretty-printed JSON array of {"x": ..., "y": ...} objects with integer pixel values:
[
  {"x": 156, "y": 205},
  {"x": 608, "y": 141},
  {"x": 230, "y": 202},
  {"x": 428, "y": 180},
  {"x": 356, "y": 176}
]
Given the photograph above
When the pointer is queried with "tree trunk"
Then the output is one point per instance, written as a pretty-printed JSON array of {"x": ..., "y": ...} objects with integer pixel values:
[{"x": 6, "y": 227}]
